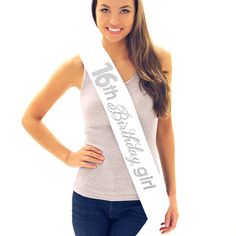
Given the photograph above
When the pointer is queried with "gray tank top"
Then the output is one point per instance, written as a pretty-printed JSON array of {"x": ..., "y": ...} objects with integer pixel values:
[{"x": 111, "y": 180}]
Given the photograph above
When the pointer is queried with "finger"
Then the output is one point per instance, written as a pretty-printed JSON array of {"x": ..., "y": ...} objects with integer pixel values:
[
  {"x": 92, "y": 148},
  {"x": 167, "y": 219},
  {"x": 173, "y": 221},
  {"x": 163, "y": 228},
  {"x": 168, "y": 229},
  {"x": 94, "y": 155},
  {"x": 94, "y": 160},
  {"x": 87, "y": 165},
  {"x": 171, "y": 226}
]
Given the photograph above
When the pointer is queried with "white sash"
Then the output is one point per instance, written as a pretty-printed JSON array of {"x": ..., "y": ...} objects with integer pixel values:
[{"x": 129, "y": 134}]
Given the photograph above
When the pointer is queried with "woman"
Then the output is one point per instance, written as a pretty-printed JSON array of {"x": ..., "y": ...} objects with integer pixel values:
[{"x": 104, "y": 199}]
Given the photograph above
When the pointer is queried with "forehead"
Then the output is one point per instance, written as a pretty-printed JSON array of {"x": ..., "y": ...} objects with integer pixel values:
[{"x": 116, "y": 3}]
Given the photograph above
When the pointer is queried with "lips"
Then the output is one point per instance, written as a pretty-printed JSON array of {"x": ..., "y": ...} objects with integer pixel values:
[{"x": 114, "y": 29}]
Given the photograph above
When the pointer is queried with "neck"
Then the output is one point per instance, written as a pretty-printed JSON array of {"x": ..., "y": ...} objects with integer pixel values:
[{"x": 117, "y": 51}]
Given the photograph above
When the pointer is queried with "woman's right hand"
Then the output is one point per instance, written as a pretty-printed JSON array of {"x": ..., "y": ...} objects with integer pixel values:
[{"x": 84, "y": 156}]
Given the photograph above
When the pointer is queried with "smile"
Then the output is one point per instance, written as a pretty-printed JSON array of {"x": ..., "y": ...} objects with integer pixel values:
[{"x": 112, "y": 30}]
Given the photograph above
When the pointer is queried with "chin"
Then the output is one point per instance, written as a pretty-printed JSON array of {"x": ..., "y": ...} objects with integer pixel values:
[{"x": 114, "y": 40}]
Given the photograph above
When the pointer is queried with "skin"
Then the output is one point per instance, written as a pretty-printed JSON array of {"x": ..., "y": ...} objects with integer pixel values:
[
  {"x": 70, "y": 74},
  {"x": 110, "y": 14},
  {"x": 166, "y": 149}
]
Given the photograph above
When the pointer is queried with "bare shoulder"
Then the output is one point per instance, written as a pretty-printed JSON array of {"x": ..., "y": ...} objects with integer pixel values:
[
  {"x": 165, "y": 58},
  {"x": 68, "y": 74},
  {"x": 75, "y": 70}
]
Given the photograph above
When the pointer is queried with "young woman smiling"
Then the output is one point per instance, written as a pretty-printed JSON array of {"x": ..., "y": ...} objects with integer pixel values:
[{"x": 104, "y": 200}]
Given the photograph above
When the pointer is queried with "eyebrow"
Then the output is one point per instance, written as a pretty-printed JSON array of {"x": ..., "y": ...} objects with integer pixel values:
[{"x": 104, "y": 5}]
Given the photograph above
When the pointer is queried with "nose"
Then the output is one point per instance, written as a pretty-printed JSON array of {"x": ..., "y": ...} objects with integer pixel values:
[{"x": 114, "y": 20}]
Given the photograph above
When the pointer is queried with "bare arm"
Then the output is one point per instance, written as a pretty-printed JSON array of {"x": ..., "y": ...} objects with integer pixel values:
[
  {"x": 166, "y": 148},
  {"x": 165, "y": 135},
  {"x": 66, "y": 76}
]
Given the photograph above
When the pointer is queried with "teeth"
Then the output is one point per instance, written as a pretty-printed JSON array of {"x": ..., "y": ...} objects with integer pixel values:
[{"x": 115, "y": 30}]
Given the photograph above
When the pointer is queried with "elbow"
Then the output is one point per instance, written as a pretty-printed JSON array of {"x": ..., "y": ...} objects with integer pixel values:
[
  {"x": 24, "y": 121},
  {"x": 27, "y": 120}
]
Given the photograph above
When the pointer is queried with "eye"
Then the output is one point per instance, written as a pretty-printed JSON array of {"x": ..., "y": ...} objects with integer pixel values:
[
  {"x": 127, "y": 11},
  {"x": 102, "y": 10}
]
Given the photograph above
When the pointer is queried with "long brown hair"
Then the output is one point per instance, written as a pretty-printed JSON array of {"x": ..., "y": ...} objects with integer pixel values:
[{"x": 146, "y": 61}]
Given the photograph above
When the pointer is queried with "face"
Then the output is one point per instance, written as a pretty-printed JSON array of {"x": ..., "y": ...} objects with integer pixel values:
[{"x": 115, "y": 18}]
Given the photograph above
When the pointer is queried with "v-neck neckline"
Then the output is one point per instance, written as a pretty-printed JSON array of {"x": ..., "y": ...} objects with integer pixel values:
[
  {"x": 127, "y": 81},
  {"x": 132, "y": 78}
]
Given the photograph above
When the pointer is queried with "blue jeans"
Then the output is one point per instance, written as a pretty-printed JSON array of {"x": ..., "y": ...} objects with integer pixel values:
[{"x": 96, "y": 217}]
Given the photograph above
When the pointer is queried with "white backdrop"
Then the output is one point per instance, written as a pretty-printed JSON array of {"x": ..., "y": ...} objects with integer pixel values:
[{"x": 37, "y": 36}]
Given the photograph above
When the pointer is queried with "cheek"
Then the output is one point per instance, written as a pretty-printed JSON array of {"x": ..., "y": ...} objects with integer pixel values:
[
  {"x": 130, "y": 22},
  {"x": 129, "y": 19},
  {"x": 98, "y": 17},
  {"x": 100, "y": 21}
]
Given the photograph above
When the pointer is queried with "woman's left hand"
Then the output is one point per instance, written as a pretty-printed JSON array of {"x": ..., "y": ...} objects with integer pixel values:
[{"x": 171, "y": 216}]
